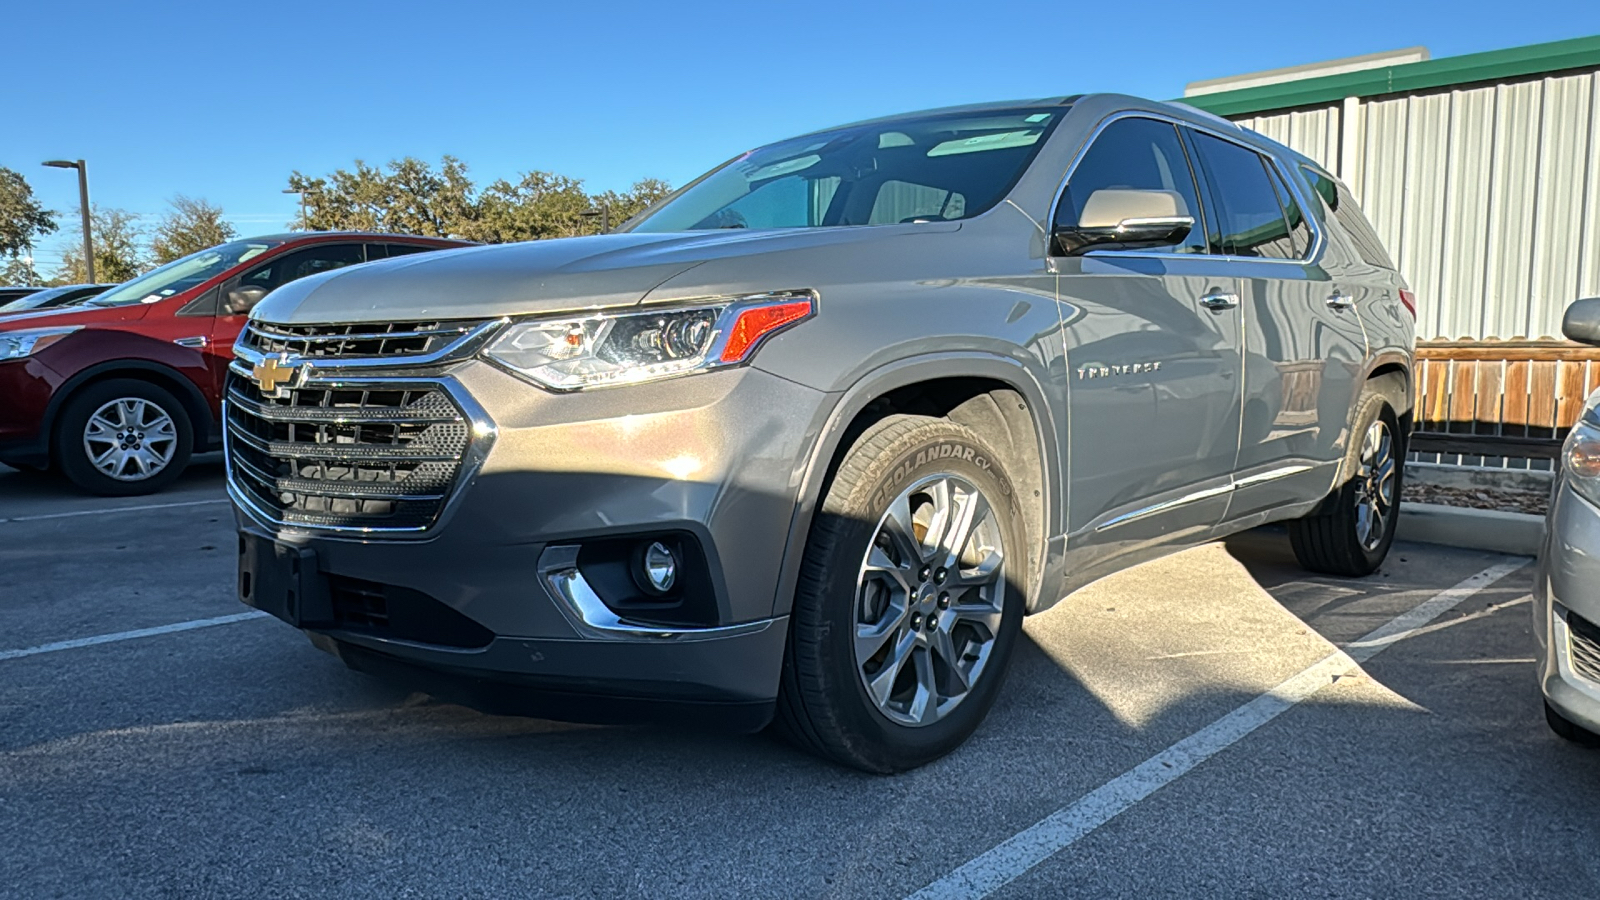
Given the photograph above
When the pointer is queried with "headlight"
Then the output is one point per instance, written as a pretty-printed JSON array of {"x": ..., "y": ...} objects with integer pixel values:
[
  {"x": 1581, "y": 457},
  {"x": 17, "y": 344},
  {"x": 643, "y": 345}
]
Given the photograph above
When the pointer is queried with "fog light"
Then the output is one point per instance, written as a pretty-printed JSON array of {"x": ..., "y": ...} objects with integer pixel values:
[{"x": 658, "y": 568}]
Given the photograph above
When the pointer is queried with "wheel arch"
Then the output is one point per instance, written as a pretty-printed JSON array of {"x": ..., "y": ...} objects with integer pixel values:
[
  {"x": 996, "y": 396},
  {"x": 1390, "y": 374},
  {"x": 194, "y": 402}
]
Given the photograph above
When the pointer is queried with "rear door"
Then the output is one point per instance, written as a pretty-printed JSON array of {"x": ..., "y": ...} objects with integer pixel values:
[
  {"x": 1303, "y": 349},
  {"x": 1153, "y": 370}
]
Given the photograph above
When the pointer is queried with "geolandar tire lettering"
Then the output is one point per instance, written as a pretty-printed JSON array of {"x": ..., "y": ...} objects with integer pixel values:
[
  {"x": 908, "y": 606},
  {"x": 902, "y": 470}
]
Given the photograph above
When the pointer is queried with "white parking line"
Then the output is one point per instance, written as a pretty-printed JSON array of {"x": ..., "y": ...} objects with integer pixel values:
[
  {"x": 129, "y": 635},
  {"x": 992, "y": 870},
  {"x": 114, "y": 509}
]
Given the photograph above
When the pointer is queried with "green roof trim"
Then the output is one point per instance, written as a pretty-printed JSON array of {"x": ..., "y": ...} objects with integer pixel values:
[{"x": 1492, "y": 65}]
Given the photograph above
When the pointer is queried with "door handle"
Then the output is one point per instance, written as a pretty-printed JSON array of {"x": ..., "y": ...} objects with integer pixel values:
[
  {"x": 1341, "y": 301},
  {"x": 1217, "y": 301}
]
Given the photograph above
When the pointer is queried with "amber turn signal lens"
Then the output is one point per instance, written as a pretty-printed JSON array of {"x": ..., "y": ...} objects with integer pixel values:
[
  {"x": 755, "y": 324},
  {"x": 1583, "y": 456}
]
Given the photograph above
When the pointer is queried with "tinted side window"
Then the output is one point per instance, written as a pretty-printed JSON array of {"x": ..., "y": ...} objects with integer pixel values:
[
  {"x": 1299, "y": 231},
  {"x": 1142, "y": 154},
  {"x": 204, "y": 305},
  {"x": 1350, "y": 218},
  {"x": 1249, "y": 222},
  {"x": 406, "y": 249},
  {"x": 281, "y": 270}
]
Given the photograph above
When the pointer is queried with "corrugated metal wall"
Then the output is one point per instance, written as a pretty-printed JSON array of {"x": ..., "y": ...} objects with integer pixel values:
[{"x": 1489, "y": 196}]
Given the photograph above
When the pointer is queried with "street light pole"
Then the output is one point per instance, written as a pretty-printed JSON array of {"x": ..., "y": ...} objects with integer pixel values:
[
  {"x": 604, "y": 212},
  {"x": 83, "y": 206},
  {"x": 303, "y": 223}
]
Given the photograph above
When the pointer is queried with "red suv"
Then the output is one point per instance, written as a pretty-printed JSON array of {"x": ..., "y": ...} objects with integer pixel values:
[{"x": 119, "y": 392}]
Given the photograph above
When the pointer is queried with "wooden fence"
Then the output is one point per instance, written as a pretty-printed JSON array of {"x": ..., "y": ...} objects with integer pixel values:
[{"x": 1514, "y": 399}]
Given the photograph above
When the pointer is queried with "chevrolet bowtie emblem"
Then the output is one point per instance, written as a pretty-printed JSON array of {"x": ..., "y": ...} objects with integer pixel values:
[{"x": 270, "y": 374}]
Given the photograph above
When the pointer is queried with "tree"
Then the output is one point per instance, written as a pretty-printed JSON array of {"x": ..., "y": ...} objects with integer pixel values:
[
  {"x": 426, "y": 202},
  {"x": 409, "y": 196},
  {"x": 116, "y": 249},
  {"x": 22, "y": 220},
  {"x": 635, "y": 200},
  {"x": 189, "y": 225},
  {"x": 540, "y": 205},
  {"x": 18, "y": 270}
]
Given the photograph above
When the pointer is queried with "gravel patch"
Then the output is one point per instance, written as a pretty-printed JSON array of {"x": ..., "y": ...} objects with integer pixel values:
[{"x": 1534, "y": 503}]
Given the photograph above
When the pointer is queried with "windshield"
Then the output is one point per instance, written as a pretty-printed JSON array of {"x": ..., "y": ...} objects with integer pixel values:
[
  {"x": 933, "y": 169},
  {"x": 34, "y": 300},
  {"x": 181, "y": 274}
]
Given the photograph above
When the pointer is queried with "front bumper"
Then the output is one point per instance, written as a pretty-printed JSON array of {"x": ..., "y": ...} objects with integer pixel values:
[
  {"x": 26, "y": 386},
  {"x": 715, "y": 456},
  {"x": 1568, "y": 585}
]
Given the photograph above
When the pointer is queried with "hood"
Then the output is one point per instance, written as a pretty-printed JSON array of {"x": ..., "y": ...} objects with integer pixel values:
[
  {"x": 535, "y": 277},
  {"x": 72, "y": 315}
]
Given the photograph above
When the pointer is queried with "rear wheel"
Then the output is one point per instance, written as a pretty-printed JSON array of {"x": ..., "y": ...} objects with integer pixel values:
[
  {"x": 908, "y": 607},
  {"x": 123, "y": 437},
  {"x": 1352, "y": 533},
  {"x": 1569, "y": 730}
]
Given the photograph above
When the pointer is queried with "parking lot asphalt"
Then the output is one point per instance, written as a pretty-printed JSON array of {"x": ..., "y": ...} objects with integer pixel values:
[{"x": 1175, "y": 730}]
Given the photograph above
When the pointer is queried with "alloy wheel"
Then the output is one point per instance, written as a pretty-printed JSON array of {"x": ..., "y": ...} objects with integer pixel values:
[
  {"x": 130, "y": 439},
  {"x": 1375, "y": 486},
  {"x": 929, "y": 600}
]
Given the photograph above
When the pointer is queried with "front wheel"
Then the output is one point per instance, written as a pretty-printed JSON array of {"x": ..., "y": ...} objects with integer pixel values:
[
  {"x": 908, "y": 605},
  {"x": 123, "y": 437},
  {"x": 1351, "y": 535}
]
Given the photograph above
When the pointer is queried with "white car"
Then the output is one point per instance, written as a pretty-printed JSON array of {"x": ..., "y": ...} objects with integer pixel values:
[{"x": 1567, "y": 588}]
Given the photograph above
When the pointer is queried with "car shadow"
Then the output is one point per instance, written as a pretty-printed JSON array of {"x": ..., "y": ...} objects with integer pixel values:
[{"x": 204, "y": 472}]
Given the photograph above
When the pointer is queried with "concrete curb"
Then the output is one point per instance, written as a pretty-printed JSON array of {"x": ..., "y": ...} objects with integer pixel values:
[{"x": 1472, "y": 529}]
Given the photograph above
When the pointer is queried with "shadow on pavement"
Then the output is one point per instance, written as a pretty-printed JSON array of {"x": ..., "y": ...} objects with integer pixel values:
[{"x": 37, "y": 489}]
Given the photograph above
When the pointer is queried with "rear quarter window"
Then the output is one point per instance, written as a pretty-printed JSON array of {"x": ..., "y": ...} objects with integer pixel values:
[{"x": 1346, "y": 213}]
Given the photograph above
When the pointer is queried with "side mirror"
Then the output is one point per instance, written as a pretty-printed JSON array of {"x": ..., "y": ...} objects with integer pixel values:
[
  {"x": 242, "y": 298},
  {"x": 1128, "y": 219},
  {"x": 1582, "y": 321}
]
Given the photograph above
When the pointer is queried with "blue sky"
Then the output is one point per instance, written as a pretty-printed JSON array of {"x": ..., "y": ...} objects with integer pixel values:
[{"x": 223, "y": 100}]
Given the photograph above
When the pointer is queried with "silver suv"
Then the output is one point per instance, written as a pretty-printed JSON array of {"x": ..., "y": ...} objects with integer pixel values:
[{"x": 805, "y": 441}]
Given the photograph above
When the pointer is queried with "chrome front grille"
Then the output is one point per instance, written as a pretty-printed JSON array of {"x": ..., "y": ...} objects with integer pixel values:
[
  {"x": 368, "y": 340},
  {"x": 1585, "y": 646},
  {"x": 374, "y": 456}
]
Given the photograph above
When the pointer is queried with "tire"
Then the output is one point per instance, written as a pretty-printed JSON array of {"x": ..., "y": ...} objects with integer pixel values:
[
  {"x": 136, "y": 457},
  {"x": 1335, "y": 539},
  {"x": 1568, "y": 730},
  {"x": 976, "y": 606}
]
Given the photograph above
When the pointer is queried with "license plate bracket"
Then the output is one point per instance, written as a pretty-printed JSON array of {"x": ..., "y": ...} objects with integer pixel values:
[{"x": 282, "y": 580}]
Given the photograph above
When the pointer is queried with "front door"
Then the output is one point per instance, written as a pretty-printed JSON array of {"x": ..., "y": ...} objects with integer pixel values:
[
  {"x": 1153, "y": 358},
  {"x": 269, "y": 274}
]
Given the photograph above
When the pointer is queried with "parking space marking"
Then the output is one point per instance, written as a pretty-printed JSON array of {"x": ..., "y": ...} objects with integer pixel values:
[
  {"x": 1000, "y": 865},
  {"x": 114, "y": 509},
  {"x": 130, "y": 635}
]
